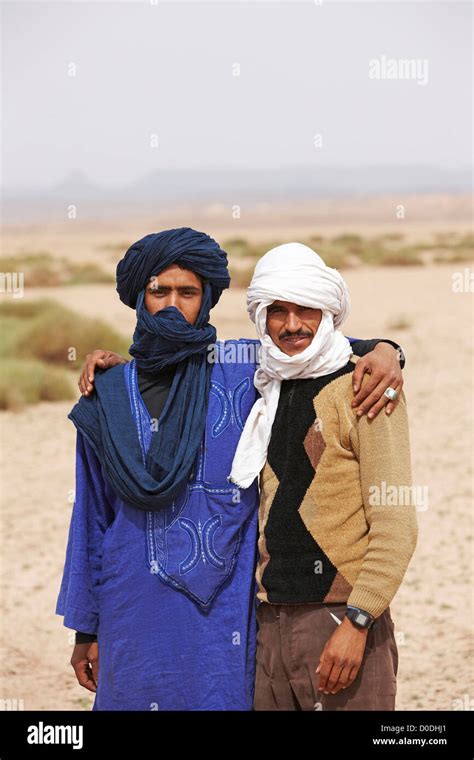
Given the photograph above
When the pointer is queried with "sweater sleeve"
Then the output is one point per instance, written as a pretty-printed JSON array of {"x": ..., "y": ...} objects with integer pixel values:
[
  {"x": 383, "y": 450},
  {"x": 92, "y": 514}
]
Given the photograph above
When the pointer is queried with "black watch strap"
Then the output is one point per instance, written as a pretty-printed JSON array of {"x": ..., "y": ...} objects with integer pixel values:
[{"x": 360, "y": 618}]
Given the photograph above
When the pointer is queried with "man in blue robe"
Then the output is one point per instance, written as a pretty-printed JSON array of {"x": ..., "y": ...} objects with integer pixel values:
[{"x": 161, "y": 552}]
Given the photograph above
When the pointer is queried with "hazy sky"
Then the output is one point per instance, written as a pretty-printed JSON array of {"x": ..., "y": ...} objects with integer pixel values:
[{"x": 167, "y": 69}]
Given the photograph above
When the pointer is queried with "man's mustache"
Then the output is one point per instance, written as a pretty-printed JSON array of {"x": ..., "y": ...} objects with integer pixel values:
[{"x": 299, "y": 334}]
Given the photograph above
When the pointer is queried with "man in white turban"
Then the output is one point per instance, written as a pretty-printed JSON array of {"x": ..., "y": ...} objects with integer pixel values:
[
  {"x": 296, "y": 274},
  {"x": 332, "y": 549}
]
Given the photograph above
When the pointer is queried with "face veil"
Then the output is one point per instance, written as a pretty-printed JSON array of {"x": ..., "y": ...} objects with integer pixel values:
[{"x": 159, "y": 339}]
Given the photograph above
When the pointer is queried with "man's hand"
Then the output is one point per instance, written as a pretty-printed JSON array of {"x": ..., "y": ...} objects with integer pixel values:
[
  {"x": 102, "y": 360},
  {"x": 383, "y": 366},
  {"x": 85, "y": 661},
  {"x": 341, "y": 657}
]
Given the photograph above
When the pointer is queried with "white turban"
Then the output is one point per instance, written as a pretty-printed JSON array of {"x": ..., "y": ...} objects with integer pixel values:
[{"x": 294, "y": 273}]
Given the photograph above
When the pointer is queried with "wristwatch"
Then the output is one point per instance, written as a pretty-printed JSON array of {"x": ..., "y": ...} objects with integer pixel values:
[{"x": 359, "y": 618}]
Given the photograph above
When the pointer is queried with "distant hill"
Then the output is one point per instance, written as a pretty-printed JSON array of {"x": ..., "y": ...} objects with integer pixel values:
[{"x": 230, "y": 186}]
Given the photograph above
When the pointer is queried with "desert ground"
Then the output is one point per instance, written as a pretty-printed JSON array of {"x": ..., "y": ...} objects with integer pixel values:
[{"x": 417, "y": 307}]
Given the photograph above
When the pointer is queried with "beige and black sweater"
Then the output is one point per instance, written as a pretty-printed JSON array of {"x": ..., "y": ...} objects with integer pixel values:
[{"x": 323, "y": 536}]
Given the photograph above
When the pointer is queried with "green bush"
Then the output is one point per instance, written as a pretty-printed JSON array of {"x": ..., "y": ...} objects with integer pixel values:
[
  {"x": 28, "y": 382},
  {"x": 44, "y": 270},
  {"x": 37, "y": 335},
  {"x": 48, "y": 331}
]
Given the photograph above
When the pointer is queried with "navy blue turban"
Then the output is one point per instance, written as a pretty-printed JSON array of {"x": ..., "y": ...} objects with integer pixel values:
[
  {"x": 163, "y": 338},
  {"x": 184, "y": 246}
]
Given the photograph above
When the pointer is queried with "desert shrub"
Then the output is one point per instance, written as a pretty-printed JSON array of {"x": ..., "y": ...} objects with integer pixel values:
[{"x": 28, "y": 382}]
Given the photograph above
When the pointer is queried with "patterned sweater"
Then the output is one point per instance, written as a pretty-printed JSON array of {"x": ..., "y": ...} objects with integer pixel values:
[{"x": 327, "y": 532}]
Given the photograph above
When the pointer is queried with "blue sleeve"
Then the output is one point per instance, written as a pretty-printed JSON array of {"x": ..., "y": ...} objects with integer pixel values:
[{"x": 91, "y": 515}]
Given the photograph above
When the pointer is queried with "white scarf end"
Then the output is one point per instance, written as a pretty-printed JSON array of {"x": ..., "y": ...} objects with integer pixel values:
[{"x": 242, "y": 482}]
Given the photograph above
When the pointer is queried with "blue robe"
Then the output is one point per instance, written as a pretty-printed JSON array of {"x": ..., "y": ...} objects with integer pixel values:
[{"x": 170, "y": 593}]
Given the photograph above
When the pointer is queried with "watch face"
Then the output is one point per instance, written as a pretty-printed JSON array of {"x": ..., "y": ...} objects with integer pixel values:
[{"x": 360, "y": 619}]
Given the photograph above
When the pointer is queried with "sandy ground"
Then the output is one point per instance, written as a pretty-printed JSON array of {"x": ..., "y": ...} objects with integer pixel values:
[
  {"x": 104, "y": 242},
  {"x": 432, "y": 610}
]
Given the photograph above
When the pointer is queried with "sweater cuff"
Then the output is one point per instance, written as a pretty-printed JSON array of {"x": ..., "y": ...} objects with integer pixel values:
[{"x": 369, "y": 601}]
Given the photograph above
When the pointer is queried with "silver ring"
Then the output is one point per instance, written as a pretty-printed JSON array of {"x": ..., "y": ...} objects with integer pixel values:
[{"x": 391, "y": 394}]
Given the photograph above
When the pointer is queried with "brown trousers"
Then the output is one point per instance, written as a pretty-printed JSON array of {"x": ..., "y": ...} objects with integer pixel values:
[{"x": 290, "y": 641}]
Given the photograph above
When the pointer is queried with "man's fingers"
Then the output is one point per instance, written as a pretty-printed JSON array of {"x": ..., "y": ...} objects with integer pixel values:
[
  {"x": 353, "y": 673},
  {"x": 104, "y": 361},
  {"x": 375, "y": 408},
  {"x": 97, "y": 358},
  {"x": 392, "y": 404},
  {"x": 84, "y": 675},
  {"x": 361, "y": 367},
  {"x": 375, "y": 396},
  {"x": 345, "y": 678},
  {"x": 339, "y": 678},
  {"x": 84, "y": 385},
  {"x": 95, "y": 669},
  {"x": 324, "y": 673},
  {"x": 332, "y": 685},
  {"x": 375, "y": 390},
  {"x": 382, "y": 401},
  {"x": 369, "y": 386},
  {"x": 89, "y": 373}
]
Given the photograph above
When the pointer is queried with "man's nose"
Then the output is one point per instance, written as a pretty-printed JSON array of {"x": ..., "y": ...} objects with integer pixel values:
[
  {"x": 172, "y": 300},
  {"x": 293, "y": 322}
]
